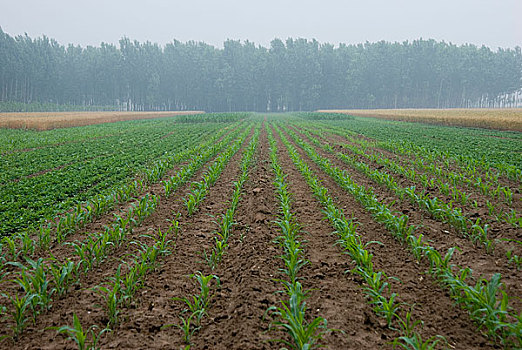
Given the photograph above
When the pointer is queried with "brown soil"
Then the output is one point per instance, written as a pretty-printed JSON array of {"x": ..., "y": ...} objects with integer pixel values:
[
  {"x": 498, "y": 230},
  {"x": 336, "y": 296},
  {"x": 432, "y": 304},
  {"x": 237, "y": 317},
  {"x": 155, "y": 307},
  {"x": 442, "y": 237},
  {"x": 85, "y": 302}
]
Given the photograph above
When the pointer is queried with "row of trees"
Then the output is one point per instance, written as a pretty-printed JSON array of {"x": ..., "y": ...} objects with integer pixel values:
[{"x": 296, "y": 74}]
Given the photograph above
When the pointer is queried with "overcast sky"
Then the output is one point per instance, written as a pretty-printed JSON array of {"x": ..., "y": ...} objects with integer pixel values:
[{"x": 494, "y": 23}]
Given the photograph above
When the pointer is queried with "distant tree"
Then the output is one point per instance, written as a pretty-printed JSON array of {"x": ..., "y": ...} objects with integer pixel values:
[{"x": 296, "y": 74}]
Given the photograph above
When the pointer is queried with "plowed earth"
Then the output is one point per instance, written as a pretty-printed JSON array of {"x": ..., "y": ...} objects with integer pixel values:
[{"x": 249, "y": 271}]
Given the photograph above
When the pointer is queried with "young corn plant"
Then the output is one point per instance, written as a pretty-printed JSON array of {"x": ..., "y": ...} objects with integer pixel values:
[
  {"x": 33, "y": 279},
  {"x": 290, "y": 315},
  {"x": 44, "y": 237},
  {"x": 291, "y": 318},
  {"x": 191, "y": 203},
  {"x": 407, "y": 325},
  {"x": 377, "y": 281},
  {"x": 513, "y": 219},
  {"x": 415, "y": 342},
  {"x": 20, "y": 307},
  {"x": 113, "y": 298},
  {"x": 81, "y": 336},
  {"x": 216, "y": 254},
  {"x": 12, "y": 248},
  {"x": 63, "y": 276},
  {"x": 514, "y": 259},
  {"x": 198, "y": 304},
  {"x": 187, "y": 326}
]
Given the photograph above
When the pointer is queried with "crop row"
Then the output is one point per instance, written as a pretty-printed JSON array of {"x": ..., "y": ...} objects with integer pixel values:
[
  {"x": 436, "y": 208},
  {"x": 24, "y": 243},
  {"x": 426, "y": 160},
  {"x": 90, "y": 253},
  {"x": 477, "y": 230},
  {"x": 200, "y": 189},
  {"x": 486, "y": 302},
  {"x": 378, "y": 291},
  {"x": 197, "y": 305},
  {"x": 31, "y": 200},
  {"x": 41, "y": 279},
  {"x": 226, "y": 220},
  {"x": 474, "y": 151},
  {"x": 291, "y": 314},
  {"x": 21, "y": 164}
]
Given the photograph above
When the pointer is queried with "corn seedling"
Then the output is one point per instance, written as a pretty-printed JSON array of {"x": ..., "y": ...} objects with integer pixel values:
[
  {"x": 291, "y": 318},
  {"x": 407, "y": 324},
  {"x": 198, "y": 304},
  {"x": 20, "y": 305},
  {"x": 112, "y": 298},
  {"x": 81, "y": 336},
  {"x": 415, "y": 342},
  {"x": 63, "y": 275}
]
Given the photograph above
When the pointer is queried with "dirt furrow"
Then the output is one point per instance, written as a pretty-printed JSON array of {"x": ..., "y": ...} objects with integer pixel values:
[
  {"x": 85, "y": 302},
  {"x": 335, "y": 295},
  {"x": 442, "y": 236},
  {"x": 248, "y": 269},
  {"x": 146, "y": 324},
  {"x": 430, "y": 303}
]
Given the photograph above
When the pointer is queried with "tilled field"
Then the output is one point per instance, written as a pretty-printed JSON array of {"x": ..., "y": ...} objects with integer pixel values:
[{"x": 279, "y": 233}]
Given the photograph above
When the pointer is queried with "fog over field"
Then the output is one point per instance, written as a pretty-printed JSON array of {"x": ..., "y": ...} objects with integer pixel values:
[
  {"x": 492, "y": 23},
  {"x": 225, "y": 174},
  {"x": 221, "y": 56}
]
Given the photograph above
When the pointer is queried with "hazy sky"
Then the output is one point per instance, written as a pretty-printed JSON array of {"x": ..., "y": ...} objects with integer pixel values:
[{"x": 495, "y": 23}]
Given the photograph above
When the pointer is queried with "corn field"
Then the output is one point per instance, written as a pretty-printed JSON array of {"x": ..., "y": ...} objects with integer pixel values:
[{"x": 261, "y": 231}]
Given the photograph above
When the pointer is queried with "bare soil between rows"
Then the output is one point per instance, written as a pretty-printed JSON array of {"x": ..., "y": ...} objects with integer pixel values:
[
  {"x": 237, "y": 317},
  {"x": 430, "y": 302},
  {"x": 82, "y": 299},
  {"x": 442, "y": 236}
]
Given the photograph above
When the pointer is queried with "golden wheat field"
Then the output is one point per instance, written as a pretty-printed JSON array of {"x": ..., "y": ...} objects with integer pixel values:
[
  {"x": 53, "y": 120},
  {"x": 501, "y": 119}
]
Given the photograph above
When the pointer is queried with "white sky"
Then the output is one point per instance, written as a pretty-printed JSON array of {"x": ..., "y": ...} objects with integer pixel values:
[{"x": 494, "y": 23}]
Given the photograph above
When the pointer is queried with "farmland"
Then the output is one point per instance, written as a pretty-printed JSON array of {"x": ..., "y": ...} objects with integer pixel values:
[
  {"x": 500, "y": 119},
  {"x": 261, "y": 231},
  {"x": 48, "y": 120}
]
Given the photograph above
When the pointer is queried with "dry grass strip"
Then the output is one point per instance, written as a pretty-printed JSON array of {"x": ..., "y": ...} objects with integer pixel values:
[
  {"x": 499, "y": 119},
  {"x": 54, "y": 120}
]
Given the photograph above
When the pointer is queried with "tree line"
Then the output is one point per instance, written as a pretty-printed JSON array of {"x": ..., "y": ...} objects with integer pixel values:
[{"x": 291, "y": 75}]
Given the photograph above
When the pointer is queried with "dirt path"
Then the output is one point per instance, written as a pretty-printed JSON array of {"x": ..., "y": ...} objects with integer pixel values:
[{"x": 248, "y": 269}]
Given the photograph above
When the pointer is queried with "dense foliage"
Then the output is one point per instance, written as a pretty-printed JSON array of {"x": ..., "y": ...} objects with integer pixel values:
[
  {"x": 298, "y": 74},
  {"x": 38, "y": 183}
]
